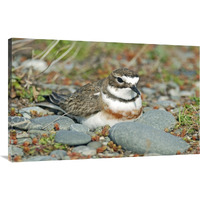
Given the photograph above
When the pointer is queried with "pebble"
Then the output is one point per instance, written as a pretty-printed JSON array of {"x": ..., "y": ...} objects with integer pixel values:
[
  {"x": 163, "y": 98},
  {"x": 142, "y": 139},
  {"x": 58, "y": 154},
  {"x": 18, "y": 122},
  {"x": 85, "y": 150},
  {"x": 27, "y": 111},
  {"x": 159, "y": 119},
  {"x": 21, "y": 134},
  {"x": 94, "y": 144},
  {"x": 161, "y": 87},
  {"x": 186, "y": 93},
  {"x": 79, "y": 128},
  {"x": 72, "y": 137},
  {"x": 36, "y": 64},
  {"x": 47, "y": 122},
  {"x": 40, "y": 158},
  {"x": 38, "y": 133},
  {"x": 165, "y": 104},
  {"x": 146, "y": 109},
  {"x": 108, "y": 154},
  {"x": 13, "y": 150},
  {"x": 148, "y": 91},
  {"x": 22, "y": 140}
]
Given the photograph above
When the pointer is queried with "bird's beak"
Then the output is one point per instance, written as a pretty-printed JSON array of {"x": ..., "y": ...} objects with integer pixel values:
[{"x": 135, "y": 89}]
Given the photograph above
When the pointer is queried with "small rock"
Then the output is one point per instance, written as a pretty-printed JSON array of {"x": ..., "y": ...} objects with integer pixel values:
[
  {"x": 59, "y": 154},
  {"x": 47, "y": 122},
  {"x": 94, "y": 144},
  {"x": 40, "y": 158},
  {"x": 142, "y": 139},
  {"x": 36, "y": 64},
  {"x": 85, "y": 150},
  {"x": 174, "y": 92},
  {"x": 26, "y": 115},
  {"x": 66, "y": 158},
  {"x": 72, "y": 137},
  {"x": 79, "y": 128},
  {"x": 18, "y": 122},
  {"x": 165, "y": 104},
  {"x": 108, "y": 154},
  {"x": 161, "y": 87},
  {"x": 37, "y": 133},
  {"x": 159, "y": 119},
  {"x": 28, "y": 110},
  {"x": 146, "y": 109},
  {"x": 13, "y": 150},
  {"x": 186, "y": 93},
  {"x": 148, "y": 91},
  {"x": 22, "y": 140},
  {"x": 163, "y": 98}
]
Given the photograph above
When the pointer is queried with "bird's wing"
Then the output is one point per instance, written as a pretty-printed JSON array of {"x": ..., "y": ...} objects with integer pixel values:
[{"x": 82, "y": 103}]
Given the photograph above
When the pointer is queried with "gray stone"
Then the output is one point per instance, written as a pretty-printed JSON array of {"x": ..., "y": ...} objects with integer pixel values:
[
  {"x": 18, "y": 122},
  {"x": 35, "y": 64},
  {"x": 109, "y": 154},
  {"x": 22, "y": 140},
  {"x": 72, "y": 137},
  {"x": 66, "y": 158},
  {"x": 26, "y": 115},
  {"x": 161, "y": 87},
  {"x": 163, "y": 98},
  {"x": 38, "y": 133},
  {"x": 146, "y": 109},
  {"x": 85, "y": 150},
  {"x": 94, "y": 145},
  {"x": 40, "y": 158},
  {"x": 166, "y": 103},
  {"x": 185, "y": 93},
  {"x": 27, "y": 111},
  {"x": 174, "y": 93},
  {"x": 142, "y": 139},
  {"x": 47, "y": 122},
  {"x": 59, "y": 154},
  {"x": 148, "y": 91},
  {"x": 159, "y": 119},
  {"x": 79, "y": 128},
  {"x": 13, "y": 150}
]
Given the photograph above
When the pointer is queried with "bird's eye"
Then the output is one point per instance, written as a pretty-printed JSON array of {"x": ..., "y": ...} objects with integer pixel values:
[{"x": 119, "y": 80}]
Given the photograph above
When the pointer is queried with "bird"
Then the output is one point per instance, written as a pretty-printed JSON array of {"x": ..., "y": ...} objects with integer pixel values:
[{"x": 105, "y": 102}]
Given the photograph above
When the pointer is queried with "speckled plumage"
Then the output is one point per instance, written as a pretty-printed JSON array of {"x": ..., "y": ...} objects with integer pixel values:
[{"x": 97, "y": 99}]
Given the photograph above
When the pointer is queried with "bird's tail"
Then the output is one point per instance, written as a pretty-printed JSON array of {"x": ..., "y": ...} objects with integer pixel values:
[{"x": 55, "y": 98}]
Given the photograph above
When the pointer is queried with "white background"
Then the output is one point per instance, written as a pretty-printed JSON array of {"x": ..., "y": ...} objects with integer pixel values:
[{"x": 160, "y": 22}]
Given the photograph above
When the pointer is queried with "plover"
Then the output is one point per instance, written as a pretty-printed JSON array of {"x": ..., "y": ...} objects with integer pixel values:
[{"x": 105, "y": 102}]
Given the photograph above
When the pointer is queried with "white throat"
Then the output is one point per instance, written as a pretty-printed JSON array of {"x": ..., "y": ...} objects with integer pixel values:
[{"x": 123, "y": 93}]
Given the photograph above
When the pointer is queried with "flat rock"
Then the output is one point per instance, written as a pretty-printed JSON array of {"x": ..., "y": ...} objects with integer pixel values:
[
  {"x": 72, "y": 137},
  {"x": 159, "y": 119},
  {"x": 18, "y": 122},
  {"x": 13, "y": 150},
  {"x": 79, "y": 128},
  {"x": 47, "y": 122},
  {"x": 94, "y": 145},
  {"x": 85, "y": 150},
  {"x": 58, "y": 154},
  {"x": 144, "y": 139},
  {"x": 40, "y": 158}
]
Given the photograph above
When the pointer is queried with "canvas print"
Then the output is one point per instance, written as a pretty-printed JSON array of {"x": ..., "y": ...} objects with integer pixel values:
[{"x": 87, "y": 100}]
